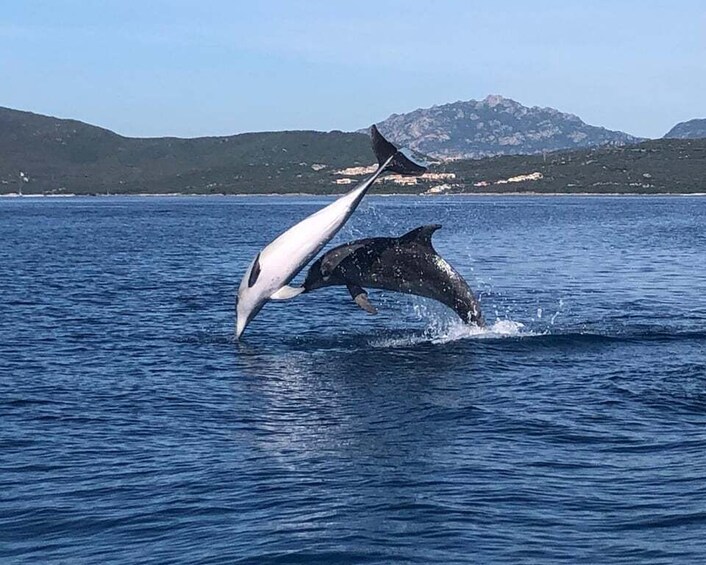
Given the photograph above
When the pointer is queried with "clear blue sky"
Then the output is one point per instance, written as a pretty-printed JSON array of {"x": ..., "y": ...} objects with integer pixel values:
[{"x": 188, "y": 68}]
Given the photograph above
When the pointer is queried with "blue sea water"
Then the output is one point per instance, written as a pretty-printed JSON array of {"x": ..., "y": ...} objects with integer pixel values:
[{"x": 134, "y": 429}]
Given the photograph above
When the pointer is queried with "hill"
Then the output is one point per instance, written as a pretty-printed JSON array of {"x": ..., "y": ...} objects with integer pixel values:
[
  {"x": 652, "y": 167},
  {"x": 494, "y": 126},
  {"x": 693, "y": 129},
  {"x": 656, "y": 166},
  {"x": 41, "y": 154}
]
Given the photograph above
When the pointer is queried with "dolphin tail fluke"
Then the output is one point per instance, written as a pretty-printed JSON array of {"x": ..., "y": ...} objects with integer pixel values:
[{"x": 399, "y": 163}]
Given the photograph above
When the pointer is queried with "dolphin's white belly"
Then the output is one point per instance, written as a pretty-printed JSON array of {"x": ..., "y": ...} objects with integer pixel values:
[{"x": 282, "y": 259}]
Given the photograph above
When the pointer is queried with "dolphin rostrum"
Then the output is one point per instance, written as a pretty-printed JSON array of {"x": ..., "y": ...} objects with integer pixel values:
[
  {"x": 271, "y": 271},
  {"x": 406, "y": 264}
]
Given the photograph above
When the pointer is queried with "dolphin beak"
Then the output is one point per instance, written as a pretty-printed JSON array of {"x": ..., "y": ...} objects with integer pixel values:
[
  {"x": 240, "y": 324},
  {"x": 244, "y": 315},
  {"x": 242, "y": 320}
]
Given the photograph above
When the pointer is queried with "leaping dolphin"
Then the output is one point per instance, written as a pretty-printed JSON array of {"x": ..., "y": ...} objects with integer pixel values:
[
  {"x": 278, "y": 263},
  {"x": 406, "y": 264}
]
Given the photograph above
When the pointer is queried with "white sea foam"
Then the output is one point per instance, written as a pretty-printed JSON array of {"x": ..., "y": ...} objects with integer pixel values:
[
  {"x": 444, "y": 327},
  {"x": 455, "y": 331}
]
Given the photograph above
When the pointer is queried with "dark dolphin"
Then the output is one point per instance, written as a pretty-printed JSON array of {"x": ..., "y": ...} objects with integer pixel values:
[{"x": 406, "y": 264}]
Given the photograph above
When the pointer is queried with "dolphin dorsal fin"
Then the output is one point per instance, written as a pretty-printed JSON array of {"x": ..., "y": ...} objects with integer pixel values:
[{"x": 421, "y": 235}]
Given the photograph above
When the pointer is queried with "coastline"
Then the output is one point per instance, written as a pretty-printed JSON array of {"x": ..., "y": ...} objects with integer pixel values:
[{"x": 312, "y": 194}]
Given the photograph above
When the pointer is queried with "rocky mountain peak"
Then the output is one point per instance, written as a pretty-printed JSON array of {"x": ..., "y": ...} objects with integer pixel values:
[
  {"x": 494, "y": 126},
  {"x": 493, "y": 100}
]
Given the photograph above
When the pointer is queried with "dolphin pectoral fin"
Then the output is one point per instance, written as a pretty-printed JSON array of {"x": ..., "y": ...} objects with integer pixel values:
[
  {"x": 287, "y": 292},
  {"x": 361, "y": 298},
  {"x": 254, "y": 272},
  {"x": 333, "y": 258},
  {"x": 362, "y": 301}
]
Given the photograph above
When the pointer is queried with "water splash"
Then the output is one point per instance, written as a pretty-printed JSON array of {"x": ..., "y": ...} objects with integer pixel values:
[
  {"x": 444, "y": 327},
  {"x": 500, "y": 329}
]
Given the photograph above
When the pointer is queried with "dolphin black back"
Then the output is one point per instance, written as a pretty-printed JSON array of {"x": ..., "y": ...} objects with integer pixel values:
[{"x": 407, "y": 264}]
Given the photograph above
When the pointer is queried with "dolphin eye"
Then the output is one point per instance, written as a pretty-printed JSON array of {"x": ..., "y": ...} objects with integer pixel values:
[{"x": 255, "y": 272}]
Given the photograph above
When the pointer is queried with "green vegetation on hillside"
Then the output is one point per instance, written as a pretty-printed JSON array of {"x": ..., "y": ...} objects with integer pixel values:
[
  {"x": 65, "y": 156},
  {"x": 657, "y": 166},
  {"x": 42, "y": 155}
]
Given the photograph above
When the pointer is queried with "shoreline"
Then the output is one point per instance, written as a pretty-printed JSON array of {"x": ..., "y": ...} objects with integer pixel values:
[{"x": 311, "y": 194}]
